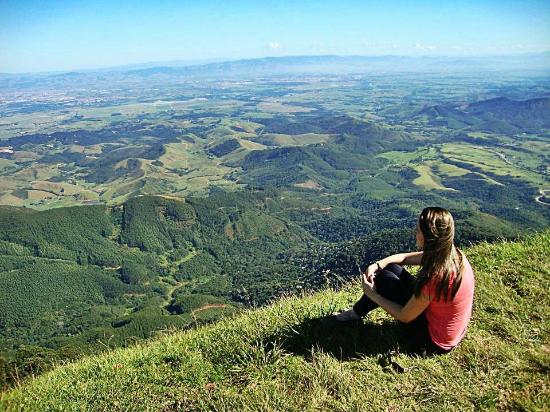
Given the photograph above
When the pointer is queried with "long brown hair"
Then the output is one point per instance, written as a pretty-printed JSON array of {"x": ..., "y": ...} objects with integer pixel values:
[{"x": 441, "y": 258}]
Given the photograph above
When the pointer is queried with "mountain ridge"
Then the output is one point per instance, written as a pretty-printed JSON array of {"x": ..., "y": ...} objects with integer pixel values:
[{"x": 279, "y": 65}]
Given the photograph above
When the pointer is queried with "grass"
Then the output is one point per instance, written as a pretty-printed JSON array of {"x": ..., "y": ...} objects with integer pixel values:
[
  {"x": 5, "y": 163},
  {"x": 432, "y": 164},
  {"x": 276, "y": 107},
  {"x": 428, "y": 179},
  {"x": 448, "y": 169},
  {"x": 277, "y": 139},
  {"x": 202, "y": 170},
  {"x": 489, "y": 160},
  {"x": 293, "y": 356},
  {"x": 419, "y": 155},
  {"x": 428, "y": 163}
]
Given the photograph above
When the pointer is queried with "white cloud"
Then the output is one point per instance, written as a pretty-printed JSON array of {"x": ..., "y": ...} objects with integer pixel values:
[
  {"x": 274, "y": 45},
  {"x": 372, "y": 47},
  {"x": 322, "y": 48},
  {"x": 425, "y": 47}
]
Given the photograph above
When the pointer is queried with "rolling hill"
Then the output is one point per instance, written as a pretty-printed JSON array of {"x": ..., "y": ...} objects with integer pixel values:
[
  {"x": 498, "y": 115},
  {"x": 93, "y": 271}
]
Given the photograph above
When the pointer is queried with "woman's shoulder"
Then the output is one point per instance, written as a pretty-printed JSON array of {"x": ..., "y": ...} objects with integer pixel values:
[
  {"x": 465, "y": 263},
  {"x": 466, "y": 266},
  {"x": 467, "y": 278}
]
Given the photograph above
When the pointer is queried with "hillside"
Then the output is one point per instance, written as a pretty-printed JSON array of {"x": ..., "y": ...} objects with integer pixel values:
[
  {"x": 105, "y": 277},
  {"x": 284, "y": 65},
  {"x": 498, "y": 115},
  {"x": 292, "y": 356},
  {"x": 93, "y": 271}
]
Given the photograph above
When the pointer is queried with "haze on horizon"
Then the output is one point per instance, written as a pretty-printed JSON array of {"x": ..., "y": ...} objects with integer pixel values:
[{"x": 76, "y": 35}]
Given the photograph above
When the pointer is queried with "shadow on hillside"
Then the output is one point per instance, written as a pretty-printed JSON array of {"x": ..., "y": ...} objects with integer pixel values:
[{"x": 348, "y": 340}]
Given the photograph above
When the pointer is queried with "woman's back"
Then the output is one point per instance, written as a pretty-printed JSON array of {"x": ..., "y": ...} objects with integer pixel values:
[{"x": 448, "y": 320}]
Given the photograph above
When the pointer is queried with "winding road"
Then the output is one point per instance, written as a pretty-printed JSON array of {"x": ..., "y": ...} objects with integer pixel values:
[{"x": 543, "y": 193}]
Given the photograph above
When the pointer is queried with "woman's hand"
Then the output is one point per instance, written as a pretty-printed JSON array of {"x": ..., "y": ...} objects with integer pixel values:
[
  {"x": 371, "y": 271},
  {"x": 367, "y": 282}
]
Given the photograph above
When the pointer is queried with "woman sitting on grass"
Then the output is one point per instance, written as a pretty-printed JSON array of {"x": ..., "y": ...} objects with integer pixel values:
[{"x": 438, "y": 302}]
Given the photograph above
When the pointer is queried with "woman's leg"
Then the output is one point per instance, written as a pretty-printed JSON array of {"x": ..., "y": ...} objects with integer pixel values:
[
  {"x": 364, "y": 306},
  {"x": 420, "y": 339},
  {"x": 401, "y": 272},
  {"x": 394, "y": 283}
]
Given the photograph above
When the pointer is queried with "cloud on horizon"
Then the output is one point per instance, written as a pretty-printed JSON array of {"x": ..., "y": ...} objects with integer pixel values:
[{"x": 274, "y": 45}]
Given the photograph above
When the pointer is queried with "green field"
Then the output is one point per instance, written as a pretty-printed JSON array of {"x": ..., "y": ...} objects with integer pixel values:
[
  {"x": 385, "y": 137},
  {"x": 428, "y": 179},
  {"x": 489, "y": 164},
  {"x": 491, "y": 161}
]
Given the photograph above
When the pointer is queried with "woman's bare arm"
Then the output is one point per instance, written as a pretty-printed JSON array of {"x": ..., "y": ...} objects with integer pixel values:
[
  {"x": 410, "y": 258},
  {"x": 412, "y": 309}
]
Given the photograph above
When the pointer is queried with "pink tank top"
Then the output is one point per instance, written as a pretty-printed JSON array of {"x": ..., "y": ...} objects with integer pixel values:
[{"x": 448, "y": 321}]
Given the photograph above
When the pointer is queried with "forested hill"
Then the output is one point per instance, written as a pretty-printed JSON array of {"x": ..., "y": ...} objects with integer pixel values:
[
  {"x": 84, "y": 279},
  {"x": 75, "y": 275},
  {"x": 293, "y": 356}
]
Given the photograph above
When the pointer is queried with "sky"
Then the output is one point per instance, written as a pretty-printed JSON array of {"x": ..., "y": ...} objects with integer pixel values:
[{"x": 38, "y": 36}]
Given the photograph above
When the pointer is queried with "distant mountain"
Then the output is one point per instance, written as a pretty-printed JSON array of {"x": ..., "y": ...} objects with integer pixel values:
[
  {"x": 499, "y": 115},
  {"x": 510, "y": 110},
  {"x": 352, "y": 148},
  {"x": 326, "y": 64},
  {"x": 352, "y": 64}
]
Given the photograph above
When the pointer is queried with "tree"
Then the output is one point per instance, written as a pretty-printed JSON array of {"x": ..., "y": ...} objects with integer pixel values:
[{"x": 133, "y": 273}]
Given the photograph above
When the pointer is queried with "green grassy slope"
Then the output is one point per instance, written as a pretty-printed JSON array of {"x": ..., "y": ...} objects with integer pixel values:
[{"x": 292, "y": 356}]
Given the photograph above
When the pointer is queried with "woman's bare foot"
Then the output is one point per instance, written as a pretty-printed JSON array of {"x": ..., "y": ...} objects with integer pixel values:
[{"x": 347, "y": 315}]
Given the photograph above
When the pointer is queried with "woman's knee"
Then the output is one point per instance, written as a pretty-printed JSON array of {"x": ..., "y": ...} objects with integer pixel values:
[
  {"x": 385, "y": 281},
  {"x": 394, "y": 268}
]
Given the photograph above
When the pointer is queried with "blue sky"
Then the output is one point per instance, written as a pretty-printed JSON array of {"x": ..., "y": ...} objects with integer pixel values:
[{"x": 68, "y": 35}]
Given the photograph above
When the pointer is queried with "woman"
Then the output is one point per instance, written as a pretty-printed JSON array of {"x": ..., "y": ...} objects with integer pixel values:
[{"x": 438, "y": 303}]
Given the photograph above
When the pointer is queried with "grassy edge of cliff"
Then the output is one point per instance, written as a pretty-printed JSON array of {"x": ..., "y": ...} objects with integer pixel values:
[{"x": 292, "y": 355}]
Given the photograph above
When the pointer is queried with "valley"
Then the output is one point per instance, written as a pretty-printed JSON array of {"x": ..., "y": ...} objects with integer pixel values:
[{"x": 133, "y": 204}]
